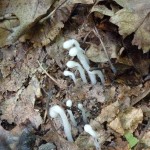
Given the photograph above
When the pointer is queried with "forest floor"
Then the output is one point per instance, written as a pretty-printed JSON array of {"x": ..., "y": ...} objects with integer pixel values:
[{"x": 114, "y": 37}]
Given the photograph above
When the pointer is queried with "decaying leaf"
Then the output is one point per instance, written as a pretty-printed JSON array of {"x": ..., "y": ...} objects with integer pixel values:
[
  {"x": 103, "y": 10},
  {"x": 46, "y": 32},
  {"x": 146, "y": 139},
  {"x": 21, "y": 107},
  {"x": 96, "y": 53},
  {"x": 134, "y": 4},
  {"x": 127, "y": 121},
  {"x": 83, "y": 1},
  {"x": 6, "y": 29},
  {"x": 28, "y": 14},
  {"x": 129, "y": 22},
  {"x": 108, "y": 113}
]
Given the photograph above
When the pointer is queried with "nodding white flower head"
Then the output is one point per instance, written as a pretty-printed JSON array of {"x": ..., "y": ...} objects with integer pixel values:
[
  {"x": 70, "y": 43},
  {"x": 73, "y": 51},
  {"x": 80, "y": 106},
  {"x": 88, "y": 129},
  {"x": 69, "y": 104},
  {"x": 70, "y": 74},
  {"x": 72, "y": 64}
]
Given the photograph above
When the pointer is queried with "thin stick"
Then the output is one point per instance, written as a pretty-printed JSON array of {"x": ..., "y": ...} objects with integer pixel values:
[
  {"x": 99, "y": 37},
  {"x": 52, "y": 78},
  {"x": 47, "y": 17}
]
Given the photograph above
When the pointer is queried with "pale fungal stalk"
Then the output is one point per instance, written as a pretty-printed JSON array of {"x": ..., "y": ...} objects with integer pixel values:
[
  {"x": 72, "y": 64},
  {"x": 69, "y": 104},
  {"x": 80, "y": 106},
  {"x": 99, "y": 74},
  {"x": 88, "y": 129},
  {"x": 70, "y": 74},
  {"x": 56, "y": 110},
  {"x": 84, "y": 61}
]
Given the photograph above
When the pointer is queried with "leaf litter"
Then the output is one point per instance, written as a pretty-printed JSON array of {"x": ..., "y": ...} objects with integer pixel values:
[{"x": 32, "y": 61}]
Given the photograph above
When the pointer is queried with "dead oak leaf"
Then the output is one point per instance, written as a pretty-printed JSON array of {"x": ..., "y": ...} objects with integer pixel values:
[
  {"x": 131, "y": 21},
  {"x": 44, "y": 33},
  {"x": 28, "y": 12},
  {"x": 108, "y": 113},
  {"x": 20, "y": 107},
  {"x": 127, "y": 121}
]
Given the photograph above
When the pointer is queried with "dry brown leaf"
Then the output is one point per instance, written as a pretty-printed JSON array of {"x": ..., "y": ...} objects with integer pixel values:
[
  {"x": 21, "y": 107},
  {"x": 96, "y": 53},
  {"x": 47, "y": 31},
  {"x": 83, "y": 1},
  {"x": 27, "y": 12},
  {"x": 146, "y": 139},
  {"x": 127, "y": 121},
  {"x": 6, "y": 29},
  {"x": 108, "y": 113},
  {"x": 103, "y": 10},
  {"x": 97, "y": 92},
  {"x": 131, "y": 21},
  {"x": 134, "y": 4}
]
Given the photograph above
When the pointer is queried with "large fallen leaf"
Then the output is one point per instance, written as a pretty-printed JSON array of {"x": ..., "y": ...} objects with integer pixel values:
[
  {"x": 127, "y": 121},
  {"x": 134, "y": 4},
  {"x": 5, "y": 30},
  {"x": 27, "y": 12},
  {"x": 96, "y": 53},
  {"x": 21, "y": 107},
  {"x": 108, "y": 113},
  {"x": 102, "y": 10},
  {"x": 45, "y": 32},
  {"x": 131, "y": 21}
]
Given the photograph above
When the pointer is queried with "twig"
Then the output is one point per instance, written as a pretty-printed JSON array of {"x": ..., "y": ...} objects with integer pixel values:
[
  {"x": 47, "y": 17},
  {"x": 140, "y": 97},
  {"x": 52, "y": 78},
  {"x": 99, "y": 37}
]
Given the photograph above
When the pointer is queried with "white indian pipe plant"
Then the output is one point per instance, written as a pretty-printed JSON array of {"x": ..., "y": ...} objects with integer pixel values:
[
  {"x": 72, "y": 64},
  {"x": 80, "y": 106},
  {"x": 55, "y": 111},
  {"x": 69, "y": 104},
  {"x": 88, "y": 129},
  {"x": 99, "y": 74},
  {"x": 75, "y": 51},
  {"x": 70, "y": 74}
]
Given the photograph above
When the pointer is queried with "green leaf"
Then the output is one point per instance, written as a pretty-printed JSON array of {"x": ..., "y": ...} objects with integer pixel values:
[{"x": 131, "y": 139}]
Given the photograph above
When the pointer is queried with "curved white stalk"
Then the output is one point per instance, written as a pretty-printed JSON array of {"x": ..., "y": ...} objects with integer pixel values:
[
  {"x": 72, "y": 64},
  {"x": 56, "y": 110}
]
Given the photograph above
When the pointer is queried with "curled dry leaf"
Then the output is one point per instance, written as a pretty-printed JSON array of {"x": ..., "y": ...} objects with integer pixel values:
[
  {"x": 108, "y": 113},
  {"x": 127, "y": 121},
  {"x": 83, "y": 1},
  {"x": 96, "y": 53},
  {"x": 103, "y": 10},
  {"x": 6, "y": 29},
  {"x": 46, "y": 32},
  {"x": 28, "y": 13},
  {"x": 21, "y": 107},
  {"x": 131, "y": 21}
]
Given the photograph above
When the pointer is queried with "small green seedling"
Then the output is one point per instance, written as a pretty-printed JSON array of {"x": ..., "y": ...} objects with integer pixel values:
[{"x": 131, "y": 139}]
